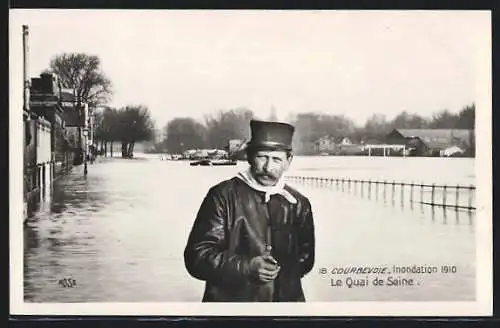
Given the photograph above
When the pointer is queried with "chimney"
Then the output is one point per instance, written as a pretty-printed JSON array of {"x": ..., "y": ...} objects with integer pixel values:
[{"x": 26, "y": 80}]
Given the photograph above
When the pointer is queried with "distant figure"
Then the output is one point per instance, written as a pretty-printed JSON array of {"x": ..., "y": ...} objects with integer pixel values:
[
  {"x": 253, "y": 237},
  {"x": 92, "y": 153}
]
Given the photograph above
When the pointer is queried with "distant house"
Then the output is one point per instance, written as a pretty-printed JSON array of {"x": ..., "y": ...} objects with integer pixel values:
[
  {"x": 431, "y": 142},
  {"x": 237, "y": 149},
  {"x": 325, "y": 144},
  {"x": 330, "y": 144},
  {"x": 452, "y": 151},
  {"x": 235, "y": 145}
]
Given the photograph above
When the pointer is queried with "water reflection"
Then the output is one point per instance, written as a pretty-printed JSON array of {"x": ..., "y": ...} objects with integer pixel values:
[
  {"x": 118, "y": 233},
  {"x": 399, "y": 198},
  {"x": 55, "y": 233}
]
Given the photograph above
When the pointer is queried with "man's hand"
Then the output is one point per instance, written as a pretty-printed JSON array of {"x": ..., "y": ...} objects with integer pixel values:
[{"x": 265, "y": 268}]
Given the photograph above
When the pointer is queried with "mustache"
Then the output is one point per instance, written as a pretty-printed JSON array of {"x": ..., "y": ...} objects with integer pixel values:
[{"x": 267, "y": 175}]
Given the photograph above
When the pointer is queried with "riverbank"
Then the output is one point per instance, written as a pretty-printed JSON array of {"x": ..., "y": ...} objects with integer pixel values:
[{"x": 427, "y": 170}]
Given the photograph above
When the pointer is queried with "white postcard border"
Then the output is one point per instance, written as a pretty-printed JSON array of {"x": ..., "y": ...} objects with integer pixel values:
[{"x": 484, "y": 280}]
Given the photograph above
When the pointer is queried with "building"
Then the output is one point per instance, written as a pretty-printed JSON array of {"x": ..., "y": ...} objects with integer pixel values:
[
  {"x": 45, "y": 95},
  {"x": 236, "y": 149},
  {"x": 54, "y": 135},
  {"x": 46, "y": 138},
  {"x": 235, "y": 145},
  {"x": 76, "y": 117},
  {"x": 432, "y": 142},
  {"x": 42, "y": 101},
  {"x": 452, "y": 151},
  {"x": 330, "y": 145}
]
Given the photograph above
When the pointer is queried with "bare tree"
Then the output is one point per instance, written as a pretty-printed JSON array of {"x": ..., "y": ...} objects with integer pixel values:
[
  {"x": 133, "y": 124},
  {"x": 82, "y": 73}
]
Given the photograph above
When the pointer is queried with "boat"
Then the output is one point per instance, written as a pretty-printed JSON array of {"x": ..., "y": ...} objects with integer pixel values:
[
  {"x": 224, "y": 162},
  {"x": 202, "y": 162}
]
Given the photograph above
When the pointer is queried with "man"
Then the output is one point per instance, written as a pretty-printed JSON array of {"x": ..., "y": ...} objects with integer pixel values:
[{"x": 253, "y": 237}]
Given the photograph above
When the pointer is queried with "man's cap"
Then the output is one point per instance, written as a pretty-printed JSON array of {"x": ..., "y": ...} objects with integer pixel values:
[{"x": 270, "y": 135}]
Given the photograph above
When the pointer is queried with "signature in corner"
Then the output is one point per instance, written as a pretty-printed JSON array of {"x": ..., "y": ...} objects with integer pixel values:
[{"x": 67, "y": 283}]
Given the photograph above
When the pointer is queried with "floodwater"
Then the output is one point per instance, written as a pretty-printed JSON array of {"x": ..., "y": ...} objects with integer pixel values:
[{"x": 118, "y": 234}]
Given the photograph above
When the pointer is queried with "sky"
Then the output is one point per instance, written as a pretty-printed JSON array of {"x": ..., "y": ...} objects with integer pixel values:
[{"x": 192, "y": 63}]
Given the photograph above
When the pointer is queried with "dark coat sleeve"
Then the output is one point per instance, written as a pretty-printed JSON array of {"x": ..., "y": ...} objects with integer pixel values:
[
  {"x": 306, "y": 239},
  {"x": 206, "y": 256}
]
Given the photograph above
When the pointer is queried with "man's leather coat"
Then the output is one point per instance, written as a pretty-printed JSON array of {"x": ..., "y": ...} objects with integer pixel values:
[{"x": 233, "y": 225}]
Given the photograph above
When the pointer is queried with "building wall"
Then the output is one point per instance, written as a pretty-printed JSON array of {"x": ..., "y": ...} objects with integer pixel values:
[
  {"x": 325, "y": 145},
  {"x": 346, "y": 141},
  {"x": 29, "y": 156},
  {"x": 43, "y": 142},
  {"x": 73, "y": 137},
  {"x": 234, "y": 144}
]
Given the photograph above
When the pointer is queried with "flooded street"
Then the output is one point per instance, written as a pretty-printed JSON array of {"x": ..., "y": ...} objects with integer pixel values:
[{"x": 119, "y": 233}]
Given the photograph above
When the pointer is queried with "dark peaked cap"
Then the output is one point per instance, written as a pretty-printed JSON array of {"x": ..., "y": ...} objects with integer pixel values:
[{"x": 270, "y": 135}]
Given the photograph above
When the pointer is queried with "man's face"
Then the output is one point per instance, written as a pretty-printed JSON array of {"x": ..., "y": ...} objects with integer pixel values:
[{"x": 269, "y": 165}]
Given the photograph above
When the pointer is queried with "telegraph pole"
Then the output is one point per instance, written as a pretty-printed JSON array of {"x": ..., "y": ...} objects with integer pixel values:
[
  {"x": 26, "y": 115},
  {"x": 26, "y": 80}
]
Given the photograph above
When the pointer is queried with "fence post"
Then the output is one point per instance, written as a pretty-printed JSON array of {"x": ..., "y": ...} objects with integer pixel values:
[
  {"x": 421, "y": 193},
  {"x": 457, "y": 196},
  {"x": 470, "y": 197},
  {"x": 369, "y": 188},
  {"x": 402, "y": 192},
  {"x": 411, "y": 195},
  {"x": 432, "y": 194},
  {"x": 393, "y": 198},
  {"x": 444, "y": 196},
  {"x": 411, "y": 192}
]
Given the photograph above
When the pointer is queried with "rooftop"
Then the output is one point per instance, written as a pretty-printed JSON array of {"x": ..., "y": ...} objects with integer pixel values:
[{"x": 438, "y": 138}]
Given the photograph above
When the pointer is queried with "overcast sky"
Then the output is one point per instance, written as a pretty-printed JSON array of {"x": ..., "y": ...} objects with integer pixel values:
[{"x": 188, "y": 63}]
